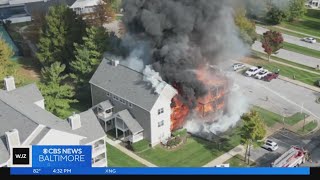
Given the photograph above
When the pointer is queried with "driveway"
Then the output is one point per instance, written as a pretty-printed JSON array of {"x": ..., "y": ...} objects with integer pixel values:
[
  {"x": 290, "y": 56},
  {"x": 291, "y": 39}
]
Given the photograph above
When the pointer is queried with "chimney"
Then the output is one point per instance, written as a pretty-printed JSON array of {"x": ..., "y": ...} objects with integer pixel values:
[
  {"x": 9, "y": 83},
  {"x": 115, "y": 62},
  {"x": 74, "y": 121},
  {"x": 13, "y": 139}
]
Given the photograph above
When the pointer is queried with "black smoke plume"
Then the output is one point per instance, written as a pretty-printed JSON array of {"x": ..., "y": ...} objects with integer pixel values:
[{"x": 184, "y": 35}]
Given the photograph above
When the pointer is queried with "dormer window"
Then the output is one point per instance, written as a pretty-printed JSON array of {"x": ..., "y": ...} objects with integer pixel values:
[
  {"x": 115, "y": 98},
  {"x": 130, "y": 105},
  {"x": 108, "y": 94},
  {"x": 108, "y": 111}
]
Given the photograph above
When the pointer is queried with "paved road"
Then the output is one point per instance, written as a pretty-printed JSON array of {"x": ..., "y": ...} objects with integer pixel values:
[
  {"x": 291, "y": 39},
  {"x": 291, "y": 56}
]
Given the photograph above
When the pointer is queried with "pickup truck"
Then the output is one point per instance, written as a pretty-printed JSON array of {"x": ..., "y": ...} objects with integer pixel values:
[{"x": 253, "y": 71}]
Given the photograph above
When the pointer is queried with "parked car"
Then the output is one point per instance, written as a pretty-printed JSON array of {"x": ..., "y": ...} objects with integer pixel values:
[
  {"x": 270, "y": 145},
  {"x": 237, "y": 66},
  {"x": 253, "y": 71},
  {"x": 269, "y": 77},
  {"x": 262, "y": 74},
  {"x": 309, "y": 39}
]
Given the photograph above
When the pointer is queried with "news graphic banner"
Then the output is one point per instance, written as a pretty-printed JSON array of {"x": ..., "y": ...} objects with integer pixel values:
[
  {"x": 61, "y": 156},
  {"x": 160, "y": 171}
]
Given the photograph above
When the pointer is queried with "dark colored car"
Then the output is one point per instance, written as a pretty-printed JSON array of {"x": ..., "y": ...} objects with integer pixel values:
[{"x": 271, "y": 76}]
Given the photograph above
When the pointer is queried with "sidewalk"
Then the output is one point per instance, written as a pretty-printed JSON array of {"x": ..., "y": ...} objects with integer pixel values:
[
  {"x": 297, "y": 32},
  {"x": 117, "y": 145},
  {"x": 224, "y": 157}
]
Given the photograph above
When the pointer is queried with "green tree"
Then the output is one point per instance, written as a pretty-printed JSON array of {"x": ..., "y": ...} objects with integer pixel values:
[
  {"x": 252, "y": 131},
  {"x": 88, "y": 55},
  {"x": 61, "y": 30},
  {"x": 6, "y": 66},
  {"x": 272, "y": 41},
  {"x": 276, "y": 15},
  {"x": 115, "y": 4},
  {"x": 296, "y": 9},
  {"x": 247, "y": 28},
  {"x": 57, "y": 94}
]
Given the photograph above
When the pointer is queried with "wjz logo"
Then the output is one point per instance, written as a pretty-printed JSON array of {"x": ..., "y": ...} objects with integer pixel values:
[{"x": 20, "y": 156}]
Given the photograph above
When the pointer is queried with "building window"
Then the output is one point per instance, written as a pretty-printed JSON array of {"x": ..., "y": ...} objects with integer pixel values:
[
  {"x": 123, "y": 101},
  {"x": 160, "y": 111},
  {"x": 160, "y": 123},
  {"x": 108, "y": 94},
  {"x": 130, "y": 105},
  {"x": 115, "y": 98}
]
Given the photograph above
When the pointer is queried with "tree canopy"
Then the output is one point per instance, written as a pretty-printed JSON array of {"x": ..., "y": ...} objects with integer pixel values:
[
  {"x": 272, "y": 41},
  {"x": 276, "y": 15},
  {"x": 247, "y": 28},
  {"x": 61, "y": 30},
  {"x": 88, "y": 55},
  {"x": 57, "y": 94},
  {"x": 296, "y": 9},
  {"x": 103, "y": 13},
  {"x": 253, "y": 130}
]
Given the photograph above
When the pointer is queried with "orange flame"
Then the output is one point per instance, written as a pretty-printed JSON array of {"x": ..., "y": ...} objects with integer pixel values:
[{"x": 179, "y": 113}]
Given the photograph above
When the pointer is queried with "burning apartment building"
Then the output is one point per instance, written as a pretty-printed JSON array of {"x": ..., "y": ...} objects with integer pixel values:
[{"x": 166, "y": 75}]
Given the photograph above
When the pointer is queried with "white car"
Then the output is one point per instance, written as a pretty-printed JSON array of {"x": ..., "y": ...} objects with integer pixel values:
[
  {"x": 253, "y": 71},
  {"x": 270, "y": 145},
  {"x": 309, "y": 39},
  {"x": 237, "y": 66},
  {"x": 262, "y": 74}
]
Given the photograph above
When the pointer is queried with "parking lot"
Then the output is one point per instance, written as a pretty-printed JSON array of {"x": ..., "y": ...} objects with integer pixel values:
[{"x": 285, "y": 139}]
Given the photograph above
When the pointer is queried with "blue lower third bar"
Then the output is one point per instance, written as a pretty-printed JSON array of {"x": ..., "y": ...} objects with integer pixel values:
[{"x": 160, "y": 171}]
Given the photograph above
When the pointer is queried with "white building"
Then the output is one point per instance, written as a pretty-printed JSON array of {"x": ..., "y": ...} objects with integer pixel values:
[
  {"x": 24, "y": 122},
  {"x": 85, "y": 6},
  {"x": 127, "y": 104},
  {"x": 314, "y": 3}
]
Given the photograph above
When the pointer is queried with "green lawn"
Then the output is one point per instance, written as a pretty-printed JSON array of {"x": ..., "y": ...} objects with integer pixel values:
[
  {"x": 259, "y": 54},
  {"x": 270, "y": 118},
  {"x": 290, "y": 72},
  {"x": 308, "y": 127},
  {"x": 238, "y": 161},
  {"x": 195, "y": 152},
  {"x": 301, "y": 50},
  {"x": 116, "y": 158},
  {"x": 309, "y": 24},
  {"x": 140, "y": 146}
]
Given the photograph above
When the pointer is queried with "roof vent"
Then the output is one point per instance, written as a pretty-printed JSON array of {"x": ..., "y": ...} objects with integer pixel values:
[
  {"x": 13, "y": 139},
  {"x": 114, "y": 62},
  {"x": 9, "y": 83},
  {"x": 74, "y": 121}
]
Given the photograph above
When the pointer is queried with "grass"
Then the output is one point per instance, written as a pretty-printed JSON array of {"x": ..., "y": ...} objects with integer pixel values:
[
  {"x": 290, "y": 72},
  {"x": 180, "y": 132},
  {"x": 238, "y": 161},
  {"x": 308, "y": 128},
  {"x": 116, "y": 158},
  {"x": 195, "y": 152},
  {"x": 301, "y": 50},
  {"x": 309, "y": 24},
  {"x": 270, "y": 118},
  {"x": 260, "y": 54},
  {"x": 140, "y": 146}
]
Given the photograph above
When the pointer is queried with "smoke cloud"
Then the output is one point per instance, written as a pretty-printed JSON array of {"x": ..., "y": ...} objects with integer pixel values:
[{"x": 183, "y": 35}]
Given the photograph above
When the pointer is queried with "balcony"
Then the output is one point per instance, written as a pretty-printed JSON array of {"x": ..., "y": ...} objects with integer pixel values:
[
  {"x": 100, "y": 163},
  {"x": 98, "y": 150},
  {"x": 104, "y": 116}
]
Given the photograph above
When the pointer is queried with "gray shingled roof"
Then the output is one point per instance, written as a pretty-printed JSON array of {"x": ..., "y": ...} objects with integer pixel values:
[
  {"x": 18, "y": 113},
  {"x": 29, "y": 93},
  {"x": 132, "y": 123},
  {"x": 4, "y": 152},
  {"x": 126, "y": 83},
  {"x": 105, "y": 105}
]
